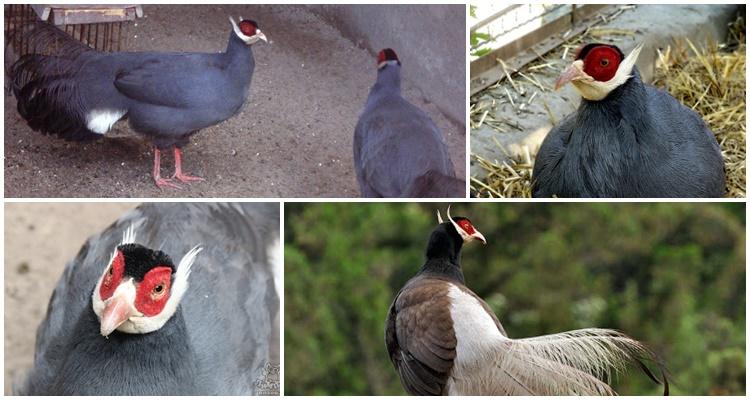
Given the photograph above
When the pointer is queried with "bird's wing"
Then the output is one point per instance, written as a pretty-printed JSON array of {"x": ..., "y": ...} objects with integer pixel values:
[
  {"x": 435, "y": 184},
  {"x": 360, "y": 136},
  {"x": 172, "y": 80},
  {"x": 576, "y": 362},
  {"x": 545, "y": 176},
  {"x": 420, "y": 339},
  {"x": 397, "y": 143}
]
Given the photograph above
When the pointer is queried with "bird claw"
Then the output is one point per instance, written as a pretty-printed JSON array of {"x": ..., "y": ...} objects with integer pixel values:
[
  {"x": 184, "y": 178},
  {"x": 162, "y": 182}
]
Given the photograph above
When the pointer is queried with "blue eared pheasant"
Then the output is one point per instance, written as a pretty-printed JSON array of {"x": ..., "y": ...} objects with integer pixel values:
[
  {"x": 627, "y": 139},
  {"x": 443, "y": 339},
  {"x": 125, "y": 319},
  {"x": 68, "y": 89},
  {"x": 398, "y": 149}
]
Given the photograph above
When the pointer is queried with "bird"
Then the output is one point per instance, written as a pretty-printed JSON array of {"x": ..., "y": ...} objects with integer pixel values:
[
  {"x": 627, "y": 138},
  {"x": 398, "y": 149},
  {"x": 68, "y": 89},
  {"x": 125, "y": 319},
  {"x": 443, "y": 339}
]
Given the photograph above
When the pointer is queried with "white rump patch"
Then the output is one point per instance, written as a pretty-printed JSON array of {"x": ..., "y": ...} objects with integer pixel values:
[{"x": 101, "y": 121}]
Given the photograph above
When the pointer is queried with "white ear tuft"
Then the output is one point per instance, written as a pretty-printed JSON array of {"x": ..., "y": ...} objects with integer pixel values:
[
  {"x": 129, "y": 235},
  {"x": 186, "y": 263}
]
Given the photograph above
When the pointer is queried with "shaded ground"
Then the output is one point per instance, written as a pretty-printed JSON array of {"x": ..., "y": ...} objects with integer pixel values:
[
  {"x": 39, "y": 239},
  {"x": 292, "y": 138}
]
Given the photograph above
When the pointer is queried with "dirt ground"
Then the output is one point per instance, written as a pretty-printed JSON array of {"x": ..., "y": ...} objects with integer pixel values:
[
  {"x": 39, "y": 239},
  {"x": 292, "y": 138}
]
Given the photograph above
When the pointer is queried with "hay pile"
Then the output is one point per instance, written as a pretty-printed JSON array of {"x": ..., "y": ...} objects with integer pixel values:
[{"x": 711, "y": 81}]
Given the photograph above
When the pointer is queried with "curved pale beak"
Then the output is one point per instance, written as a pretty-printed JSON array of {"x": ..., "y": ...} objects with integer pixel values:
[
  {"x": 478, "y": 236},
  {"x": 116, "y": 311},
  {"x": 574, "y": 72}
]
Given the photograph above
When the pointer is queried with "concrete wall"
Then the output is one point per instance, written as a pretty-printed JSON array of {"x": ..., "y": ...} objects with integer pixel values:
[{"x": 430, "y": 41}]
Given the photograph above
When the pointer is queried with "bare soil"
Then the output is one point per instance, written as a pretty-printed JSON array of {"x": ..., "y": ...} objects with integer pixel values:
[{"x": 292, "y": 138}]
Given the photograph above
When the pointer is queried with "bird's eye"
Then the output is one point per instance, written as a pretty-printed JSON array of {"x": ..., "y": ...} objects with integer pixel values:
[
  {"x": 158, "y": 288},
  {"x": 111, "y": 271},
  {"x": 604, "y": 62}
]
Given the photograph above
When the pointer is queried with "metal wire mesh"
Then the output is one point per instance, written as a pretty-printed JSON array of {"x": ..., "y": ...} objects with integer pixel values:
[{"x": 103, "y": 36}]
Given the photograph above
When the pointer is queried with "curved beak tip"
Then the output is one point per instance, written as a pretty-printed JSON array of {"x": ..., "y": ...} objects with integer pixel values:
[
  {"x": 478, "y": 236},
  {"x": 115, "y": 313}
]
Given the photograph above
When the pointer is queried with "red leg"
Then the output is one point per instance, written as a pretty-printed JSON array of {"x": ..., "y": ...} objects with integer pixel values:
[
  {"x": 158, "y": 180},
  {"x": 178, "y": 169}
]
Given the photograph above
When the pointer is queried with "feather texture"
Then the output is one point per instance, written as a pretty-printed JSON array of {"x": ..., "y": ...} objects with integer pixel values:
[{"x": 580, "y": 362}]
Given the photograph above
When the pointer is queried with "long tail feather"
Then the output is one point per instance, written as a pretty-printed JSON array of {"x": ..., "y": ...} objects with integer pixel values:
[
  {"x": 44, "y": 84},
  {"x": 575, "y": 362}
]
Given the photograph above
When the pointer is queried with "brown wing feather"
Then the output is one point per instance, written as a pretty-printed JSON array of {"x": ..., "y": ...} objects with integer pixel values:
[{"x": 420, "y": 337}]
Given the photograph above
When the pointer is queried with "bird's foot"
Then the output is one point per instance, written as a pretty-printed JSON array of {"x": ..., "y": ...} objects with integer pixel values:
[
  {"x": 184, "y": 178},
  {"x": 165, "y": 182}
]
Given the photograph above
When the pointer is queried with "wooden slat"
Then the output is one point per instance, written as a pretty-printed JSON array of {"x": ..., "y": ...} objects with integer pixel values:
[
  {"x": 86, "y": 14},
  {"x": 486, "y": 70}
]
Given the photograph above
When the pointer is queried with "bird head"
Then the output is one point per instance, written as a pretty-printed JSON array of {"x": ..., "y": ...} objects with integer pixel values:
[
  {"x": 598, "y": 69},
  {"x": 463, "y": 227},
  {"x": 247, "y": 30},
  {"x": 140, "y": 288},
  {"x": 387, "y": 57}
]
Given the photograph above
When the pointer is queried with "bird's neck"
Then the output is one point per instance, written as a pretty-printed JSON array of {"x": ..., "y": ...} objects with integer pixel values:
[
  {"x": 159, "y": 362},
  {"x": 444, "y": 254},
  {"x": 629, "y": 98},
  {"x": 237, "y": 51},
  {"x": 387, "y": 83}
]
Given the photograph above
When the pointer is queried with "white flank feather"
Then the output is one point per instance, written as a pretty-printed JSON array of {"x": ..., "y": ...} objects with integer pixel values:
[{"x": 579, "y": 362}]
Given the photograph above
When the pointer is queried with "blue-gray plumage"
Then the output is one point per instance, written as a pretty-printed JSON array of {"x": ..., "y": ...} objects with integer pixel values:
[
  {"x": 638, "y": 141},
  {"x": 78, "y": 93},
  {"x": 398, "y": 149},
  {"x": 218, "y": 342}
]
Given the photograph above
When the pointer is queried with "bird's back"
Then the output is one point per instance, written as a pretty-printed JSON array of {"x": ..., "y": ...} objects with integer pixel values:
[{"x": 395, "y": 143}]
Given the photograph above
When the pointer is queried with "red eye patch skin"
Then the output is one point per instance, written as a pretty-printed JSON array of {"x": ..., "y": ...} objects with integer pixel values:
[
  {"x": 601, "y": 61},
  {"x": 112, "y": 277},
  {"x": 466, "y": 225},
  {"x": 387, "y": 55},
  {"x": 248, "y": 27},
  {"x": 152, "y": 292}
]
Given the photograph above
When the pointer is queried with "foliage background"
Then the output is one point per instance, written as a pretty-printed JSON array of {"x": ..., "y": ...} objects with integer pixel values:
[{"x": 669, "y": 274}]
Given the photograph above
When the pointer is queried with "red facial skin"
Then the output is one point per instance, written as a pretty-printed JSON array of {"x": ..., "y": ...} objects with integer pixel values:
[
  {"x": 112, "y": 277},
  {"x": 466, "y": 226},
  {"x": 601, "y": 63},
  {"x": 148, "y": 300},
  {"x": 247, "y": 28},
  {"x": 383, "y": 56},
  {"x": 152, "y": 292}
]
